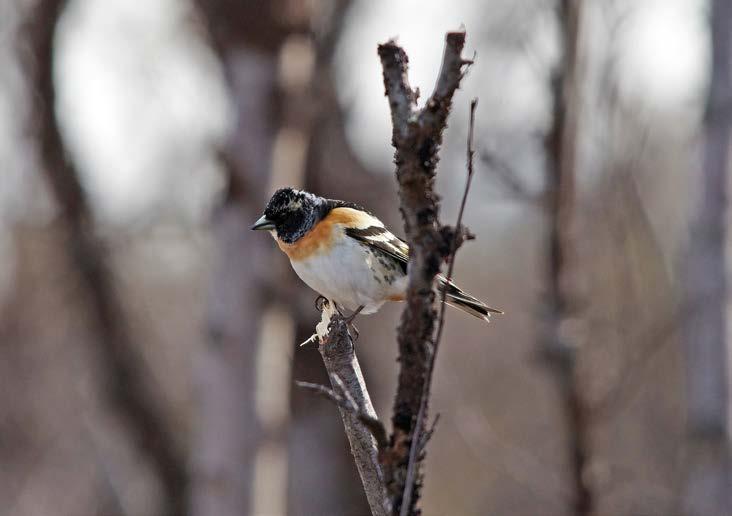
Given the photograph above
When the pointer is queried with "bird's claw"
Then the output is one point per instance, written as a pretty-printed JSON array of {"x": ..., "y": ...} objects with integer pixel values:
[{"x": 320, "y": 303}]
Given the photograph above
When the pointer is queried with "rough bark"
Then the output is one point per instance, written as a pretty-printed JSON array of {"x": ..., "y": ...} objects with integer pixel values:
[
  {"x": 561, "y": 345},
  {"x": 128, "y": 388},
  {"x": 365, "y": 432},
  {"x": 416, "y": 136},
  {"x": 705, "y": 325},
  {"x": 418, "y": 444}
]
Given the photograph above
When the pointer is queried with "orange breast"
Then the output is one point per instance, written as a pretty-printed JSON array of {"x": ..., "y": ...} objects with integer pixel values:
[{"x": 317, "y": 240}]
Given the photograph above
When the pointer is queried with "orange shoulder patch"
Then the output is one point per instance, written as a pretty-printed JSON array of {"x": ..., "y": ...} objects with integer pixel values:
[{"x": 352, "y": 218}]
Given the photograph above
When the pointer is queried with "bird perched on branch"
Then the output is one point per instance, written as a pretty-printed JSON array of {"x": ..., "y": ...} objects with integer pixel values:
[{"x": 346, "y": 254}]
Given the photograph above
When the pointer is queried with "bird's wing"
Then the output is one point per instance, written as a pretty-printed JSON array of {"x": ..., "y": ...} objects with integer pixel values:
[{"x": 378, "y": 237}]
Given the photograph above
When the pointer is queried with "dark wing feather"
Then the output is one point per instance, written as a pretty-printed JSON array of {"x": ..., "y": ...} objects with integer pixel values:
[
  {"x": 380, "y": 238},
  {"x": 461, "y": 299}
]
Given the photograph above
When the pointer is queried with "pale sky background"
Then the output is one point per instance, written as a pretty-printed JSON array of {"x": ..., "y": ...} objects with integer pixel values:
[
  {"x": 142, "y": 98},
  {"x": 661, "y": 51},
  {"x": 142, "y": 103}
]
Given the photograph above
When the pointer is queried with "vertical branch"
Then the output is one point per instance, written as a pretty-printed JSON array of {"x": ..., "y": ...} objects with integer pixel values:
[
  {"x": 128, "y": 389},
  {"x": 455, "y": 242},
  {"x": 416, "y": 137},
  {"x": 705, "y": 325},
  {"x": 560, "y": 346}
]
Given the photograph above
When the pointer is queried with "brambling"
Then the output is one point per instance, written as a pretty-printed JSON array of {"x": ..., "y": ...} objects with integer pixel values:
[{"x": 346, "y": 254}]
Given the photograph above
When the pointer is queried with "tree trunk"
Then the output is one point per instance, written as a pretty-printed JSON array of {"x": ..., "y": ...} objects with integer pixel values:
[
  {"x": 709, "y": 484},
  {"x": 563, "y": 298},
  {"x": 248, "y": 39}
]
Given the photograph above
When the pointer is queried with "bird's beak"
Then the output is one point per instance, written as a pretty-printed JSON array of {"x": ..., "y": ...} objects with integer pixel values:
[{"x": 263, "y": 224}]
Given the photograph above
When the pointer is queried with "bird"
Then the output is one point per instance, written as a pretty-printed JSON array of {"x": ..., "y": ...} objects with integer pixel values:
[{"x": 347, "y": 255}]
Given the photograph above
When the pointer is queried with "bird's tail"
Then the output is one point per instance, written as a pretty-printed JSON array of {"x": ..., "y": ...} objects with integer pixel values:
[{"x": 456, "y": 297}]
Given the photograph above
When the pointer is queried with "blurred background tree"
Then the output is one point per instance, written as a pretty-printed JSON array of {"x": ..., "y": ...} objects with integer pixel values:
[{"x": 148, "y": 342}]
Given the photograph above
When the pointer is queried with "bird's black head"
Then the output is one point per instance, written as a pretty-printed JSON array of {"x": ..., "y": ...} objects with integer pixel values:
[{"x": 292, "y": 213}]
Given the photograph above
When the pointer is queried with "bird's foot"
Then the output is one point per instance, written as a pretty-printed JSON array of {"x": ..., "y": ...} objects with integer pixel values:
[
  {"x": 320, "y": 303},
  {"x": 351, "y": 317}
]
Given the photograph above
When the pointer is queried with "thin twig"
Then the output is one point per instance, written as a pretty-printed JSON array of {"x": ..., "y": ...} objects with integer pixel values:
[
  {"x": 346, "y": 402},
  {"x": 416, "y": 137},
  {"x": 324, "y": 391},
  {"x": 415, "y": 445},
  {"x": 335, "y": 379},
  {"x": 428, "y": 434}
]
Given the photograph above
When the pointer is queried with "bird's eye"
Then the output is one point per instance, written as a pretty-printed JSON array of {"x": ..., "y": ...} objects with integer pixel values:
[{"x": 279, "y": 217}]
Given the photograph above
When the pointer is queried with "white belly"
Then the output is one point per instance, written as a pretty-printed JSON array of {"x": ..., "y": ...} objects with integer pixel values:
[{"x": 352, "y": 276}]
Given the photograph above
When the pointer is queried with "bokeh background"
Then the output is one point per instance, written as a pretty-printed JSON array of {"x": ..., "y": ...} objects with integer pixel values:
[{"x": 149, "y": 340}]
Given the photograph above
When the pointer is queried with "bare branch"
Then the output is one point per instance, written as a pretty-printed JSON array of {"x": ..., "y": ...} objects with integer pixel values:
[
  {"x": 418, "y": 443},
  {"x": 402, "y": 99},
  {"x": 416, "y": 136},
  {"x": 454, "y": 67},
  {"x": 346, "y": 402},
  {"x": 366, "y": 434},
  {"x": 429, "y": 433}
]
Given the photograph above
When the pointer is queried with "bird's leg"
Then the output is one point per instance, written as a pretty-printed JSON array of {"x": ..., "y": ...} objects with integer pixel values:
[
  {"x": 349, "y": 321},
  {"x": 339, "y": 310},
  {"x": 354, "y": 314},
  {"x": 356, "y": 333}
]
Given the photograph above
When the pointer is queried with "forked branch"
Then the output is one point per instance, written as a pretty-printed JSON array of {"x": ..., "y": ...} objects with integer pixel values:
[
  {"x": 416, "y": 136},
  {"x": 366, "y": 434}
]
